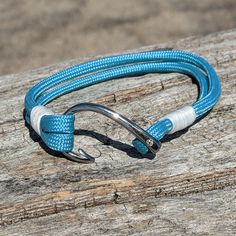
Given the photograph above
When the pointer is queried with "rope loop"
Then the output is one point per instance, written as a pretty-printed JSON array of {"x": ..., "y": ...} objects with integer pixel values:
[{"x": 57, "y": 131}]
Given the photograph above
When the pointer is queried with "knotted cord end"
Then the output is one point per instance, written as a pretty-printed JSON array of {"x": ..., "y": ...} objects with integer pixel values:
[{"x": 57, "y": 131}]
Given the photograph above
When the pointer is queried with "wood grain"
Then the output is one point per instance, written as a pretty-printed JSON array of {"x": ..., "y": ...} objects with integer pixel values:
[{"x": 188, "y": 188}]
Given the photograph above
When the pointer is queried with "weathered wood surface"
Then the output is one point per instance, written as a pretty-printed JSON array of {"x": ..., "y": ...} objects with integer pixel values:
[{"x": 189, "y": 188}]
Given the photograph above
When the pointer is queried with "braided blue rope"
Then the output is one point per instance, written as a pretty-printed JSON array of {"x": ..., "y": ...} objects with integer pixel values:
[{"x": 57, "y": 131}]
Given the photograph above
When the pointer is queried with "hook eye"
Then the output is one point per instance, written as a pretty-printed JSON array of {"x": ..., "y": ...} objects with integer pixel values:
[{"x": 153, "y": 144}]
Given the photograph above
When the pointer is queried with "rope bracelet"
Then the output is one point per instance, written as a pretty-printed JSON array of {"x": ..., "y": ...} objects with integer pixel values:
[{"x": 57, "y": 130}]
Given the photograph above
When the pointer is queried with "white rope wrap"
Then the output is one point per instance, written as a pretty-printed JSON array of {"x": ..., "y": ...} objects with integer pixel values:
[
  {"x": 36, "y": 115},
  {"x": 181, "y": 118}
]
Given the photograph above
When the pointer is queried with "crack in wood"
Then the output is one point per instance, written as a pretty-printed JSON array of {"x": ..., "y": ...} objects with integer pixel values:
[{"x": 123, "y": 191}]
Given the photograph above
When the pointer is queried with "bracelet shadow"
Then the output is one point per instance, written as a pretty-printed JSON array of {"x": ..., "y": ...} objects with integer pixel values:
[{"x": 105, "y": 140}]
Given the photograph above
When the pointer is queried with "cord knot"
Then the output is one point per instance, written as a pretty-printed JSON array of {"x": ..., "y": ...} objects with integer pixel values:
[{"x": 57, "y": 131}]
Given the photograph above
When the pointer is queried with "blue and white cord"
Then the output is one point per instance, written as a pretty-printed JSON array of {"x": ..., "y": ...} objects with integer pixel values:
[{"x": 57, "y": 131}]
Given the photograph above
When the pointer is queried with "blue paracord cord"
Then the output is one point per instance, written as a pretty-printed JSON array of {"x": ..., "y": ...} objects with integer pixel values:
[{"x": 57, "y": 131}]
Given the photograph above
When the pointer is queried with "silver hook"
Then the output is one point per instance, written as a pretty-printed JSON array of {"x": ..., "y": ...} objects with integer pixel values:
[{"x": 153, "y": 144}]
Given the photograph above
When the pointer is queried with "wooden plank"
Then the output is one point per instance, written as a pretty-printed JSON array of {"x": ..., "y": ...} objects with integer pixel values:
[
  {"x": 204, "y": 213},
  {"x": 188, "y": 188}
]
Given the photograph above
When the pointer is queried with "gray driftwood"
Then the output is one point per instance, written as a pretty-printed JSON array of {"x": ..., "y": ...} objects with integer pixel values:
[{"x": 188, "y": 188}]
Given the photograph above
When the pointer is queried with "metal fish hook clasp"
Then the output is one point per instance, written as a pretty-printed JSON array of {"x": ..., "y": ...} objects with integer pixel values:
[{"x": 82, "y": 157}]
